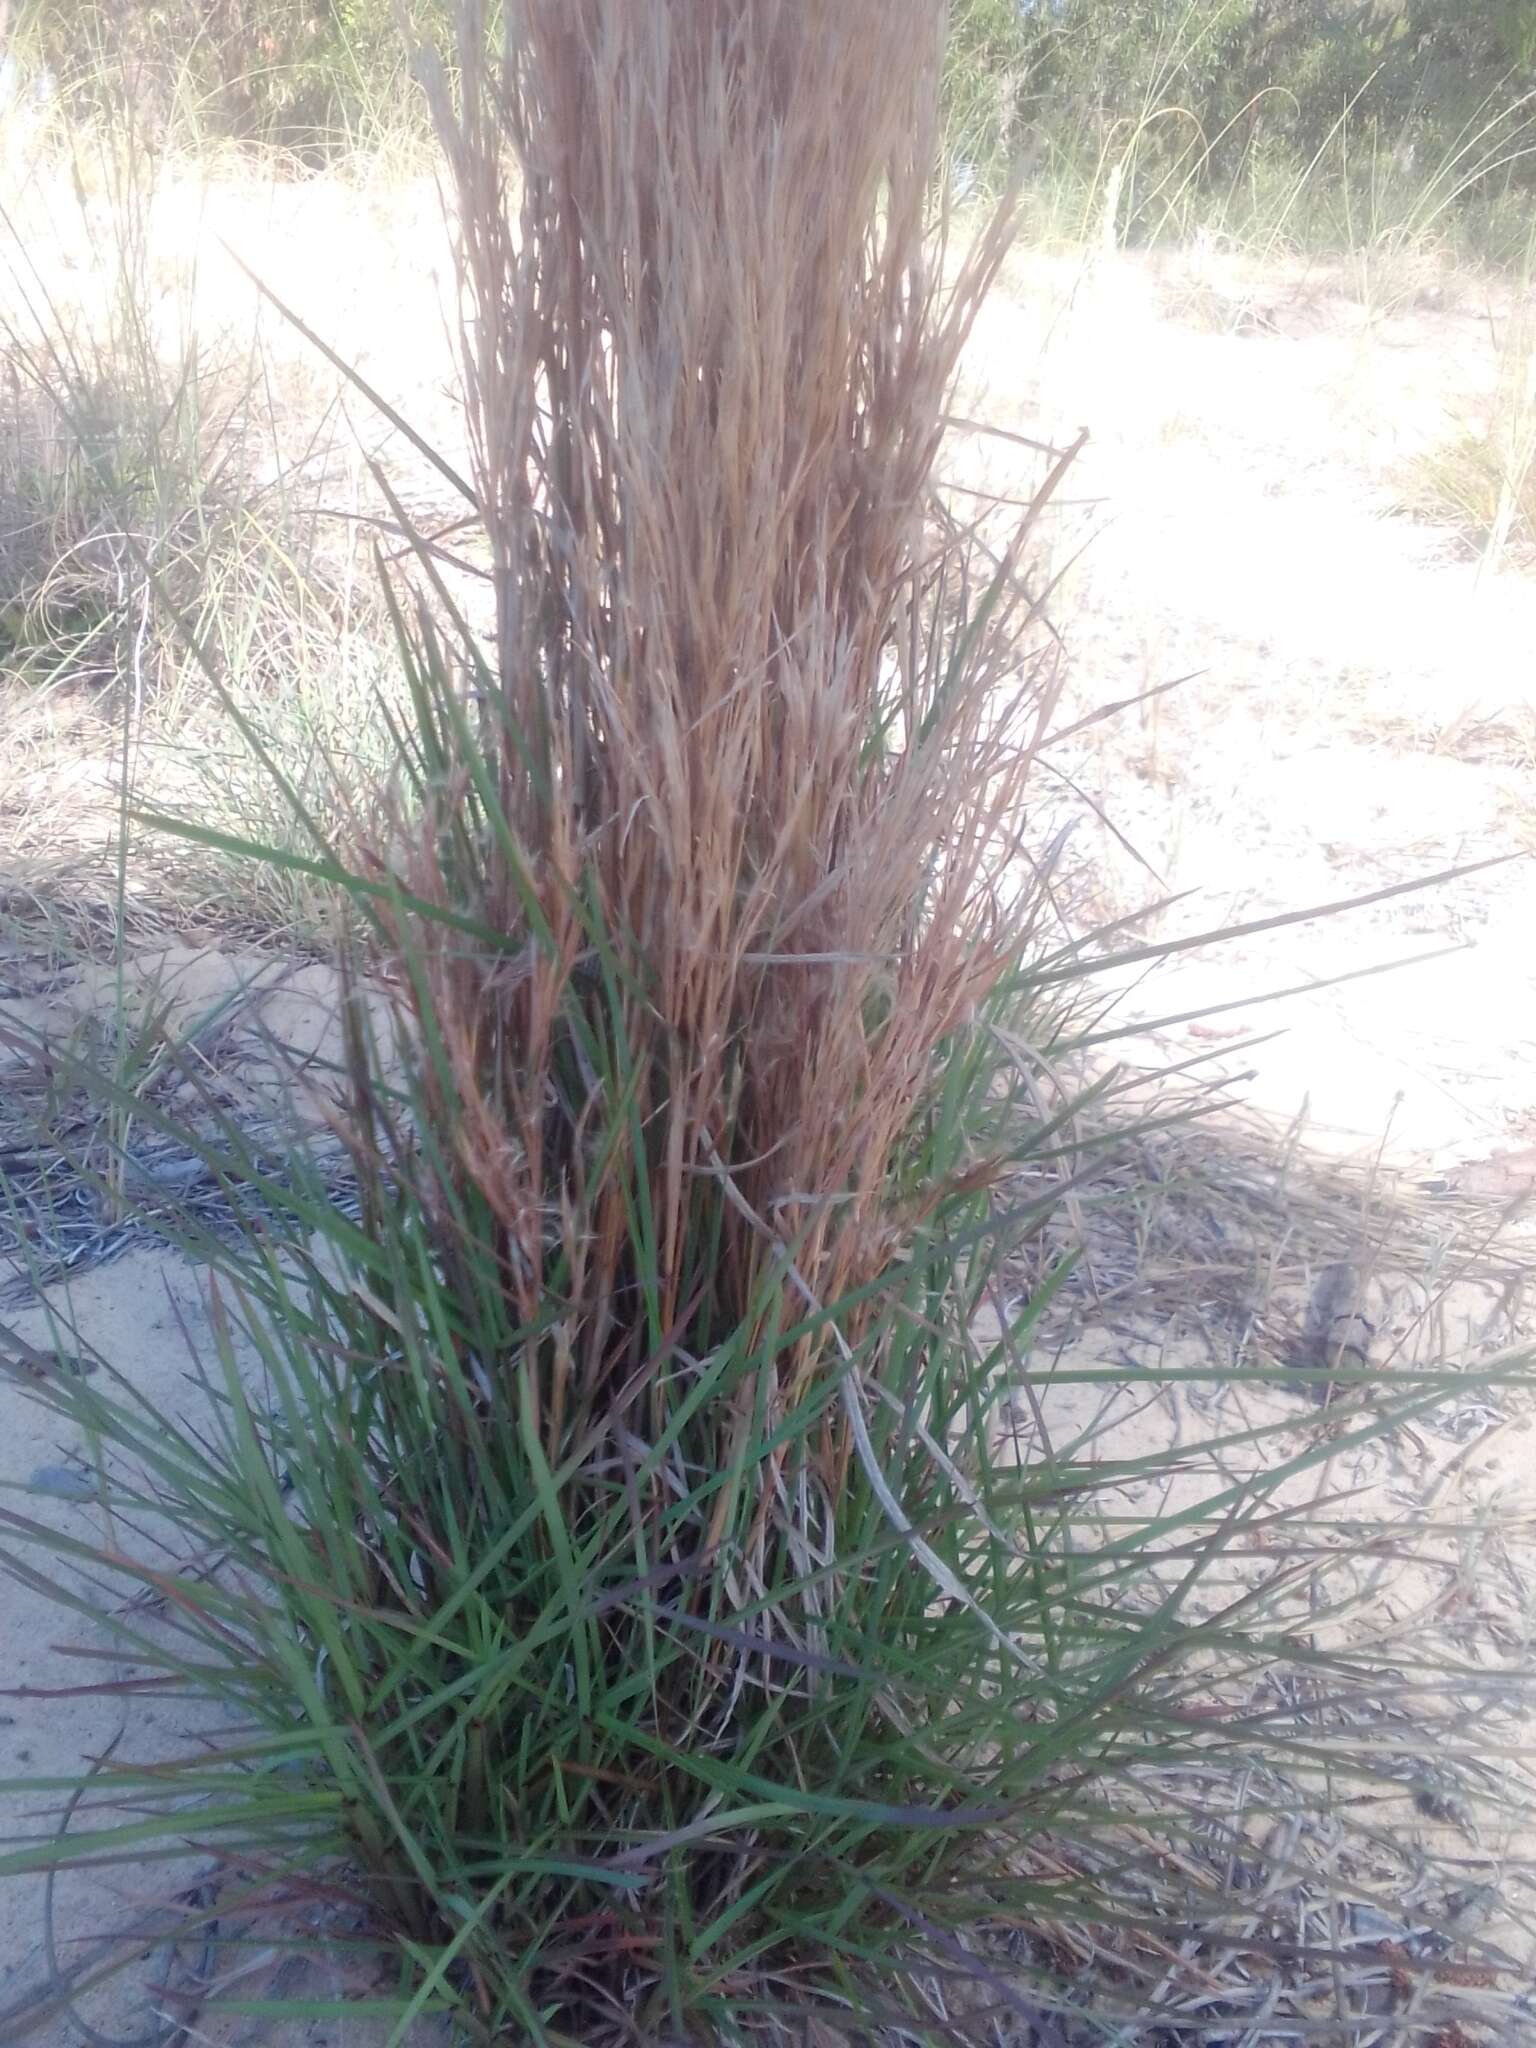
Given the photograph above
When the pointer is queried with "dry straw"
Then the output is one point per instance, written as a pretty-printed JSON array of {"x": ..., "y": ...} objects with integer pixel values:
[{"x": 747, "y": 718}]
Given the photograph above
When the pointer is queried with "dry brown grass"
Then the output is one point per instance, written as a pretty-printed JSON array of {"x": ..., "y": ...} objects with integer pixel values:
[{"x": 747, "y": 720}]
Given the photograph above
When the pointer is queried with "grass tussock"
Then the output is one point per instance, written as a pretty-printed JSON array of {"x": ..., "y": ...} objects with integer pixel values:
[
  {"x": 1483, "y": 480},
  {"x": 708, "y": 397},
  {"x": 137, "y": 470},
  {"x": 594, "y": 1536},
  {"x": 182, "y": 513}
]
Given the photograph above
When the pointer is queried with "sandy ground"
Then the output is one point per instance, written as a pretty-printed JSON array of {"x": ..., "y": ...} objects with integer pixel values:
[
  {"x": 259, "y": 1038},
  {"x": 1359, "y": 710},
  {"x": 1360, "y": 706},
  {"x": 1362, "y": 709}
]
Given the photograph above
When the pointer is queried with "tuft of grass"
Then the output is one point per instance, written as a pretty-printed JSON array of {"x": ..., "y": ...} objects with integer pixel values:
[
  {"x": 166, "y": 517},
  {"x": 1483, "y": 482},
  {"x": 138, "y": 461},
  {"x": 596, "y": 1536}
]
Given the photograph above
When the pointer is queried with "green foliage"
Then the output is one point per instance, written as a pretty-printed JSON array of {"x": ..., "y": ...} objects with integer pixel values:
[
  {"x": 309, "y": 76},
  {"x": 1498, "y": 35},
  {"x": 992, "y": 52},
  {"x": 646, "y": 1715},
  {"x": 1207, "y": 96}
]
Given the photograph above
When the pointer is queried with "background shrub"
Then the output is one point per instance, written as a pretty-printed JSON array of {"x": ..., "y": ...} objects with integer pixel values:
[{"x": 1206, "y": 94}]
